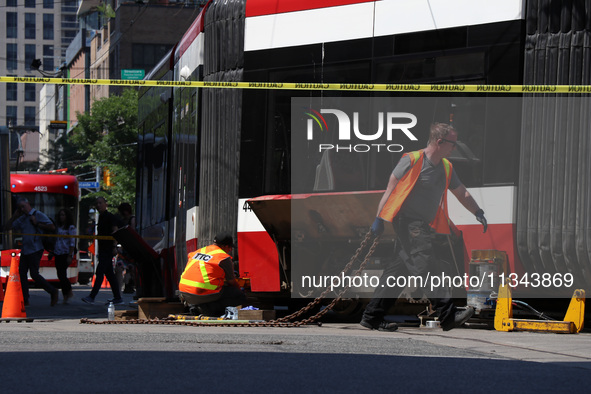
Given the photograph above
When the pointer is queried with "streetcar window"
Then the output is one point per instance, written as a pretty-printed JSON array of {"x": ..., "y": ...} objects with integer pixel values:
[
  {"x": 190, "y": 151},
  {"x": 159, "y": 172},
  {"x": 51, "y": 203},
  {"x": 434, "y": 67},
  {"x": 266, "y": 141},
  {"x": 502, "y": 141},
  {"x": 152, "y": 163}
]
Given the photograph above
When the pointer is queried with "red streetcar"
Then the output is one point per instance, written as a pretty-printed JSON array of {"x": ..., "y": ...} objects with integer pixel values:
[
  {"x": 223, "y": 159},
  {"x": 48, "y": 193}
]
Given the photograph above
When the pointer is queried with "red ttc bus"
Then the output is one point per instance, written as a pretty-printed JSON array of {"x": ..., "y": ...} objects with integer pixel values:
[{"x": 47, "y": 193}]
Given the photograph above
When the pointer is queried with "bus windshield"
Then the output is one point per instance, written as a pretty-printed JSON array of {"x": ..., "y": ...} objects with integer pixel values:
[{"x": 51, "y": 203}]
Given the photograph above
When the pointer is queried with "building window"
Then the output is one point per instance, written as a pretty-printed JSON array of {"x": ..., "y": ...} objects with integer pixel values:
[
  {"x": 70, "y": 6},
  {"x": 11, "y": 3},
  {"x": 11, "y": 25},
  {"x": 29, "y": 55},
  {"x": 11, "y": 57},
  {"x": 30, "y": 92},
  {"x": 69, "y": 21},
  {"x": 30, "y": 3},
  {"x": 29, "y": 25},
  {"x": 30, "y": 115},
  {"x": 11, "y": 90},
  {"x": 47, "y": 3},
  {"x": 48, "y": 26},
  {"x": 69, "y": 34},
  {"x": 48, "y": 57},
  {"x": 11, "y": 115}
]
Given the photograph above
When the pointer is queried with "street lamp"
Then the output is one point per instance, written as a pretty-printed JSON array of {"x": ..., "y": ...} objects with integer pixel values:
[{"x": 36, "y": 65}]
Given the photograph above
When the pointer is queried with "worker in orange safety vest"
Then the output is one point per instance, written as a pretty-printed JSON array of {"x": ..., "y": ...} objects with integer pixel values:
[
  {"x": 208, "y": 284},
  {"x": 415, "y": 201}
]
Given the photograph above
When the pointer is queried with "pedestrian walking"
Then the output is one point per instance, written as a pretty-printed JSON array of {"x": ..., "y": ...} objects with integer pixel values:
[
  {"x": 31, "y": 223},
  {"x": 65, "y": 249},
  {"x": 107, "y": 249}
]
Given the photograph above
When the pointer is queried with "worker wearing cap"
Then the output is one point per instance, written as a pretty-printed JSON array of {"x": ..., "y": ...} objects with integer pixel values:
[
  {"x": 208, "y": 284},
  {"x": 415, "y": 202}
]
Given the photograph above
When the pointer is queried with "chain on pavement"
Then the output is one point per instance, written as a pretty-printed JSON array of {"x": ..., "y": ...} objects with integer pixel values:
[{"x": 287, "y": 321}]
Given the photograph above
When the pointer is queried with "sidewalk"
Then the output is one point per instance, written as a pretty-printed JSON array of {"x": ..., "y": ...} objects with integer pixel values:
[{"x": 39, "y": 304}]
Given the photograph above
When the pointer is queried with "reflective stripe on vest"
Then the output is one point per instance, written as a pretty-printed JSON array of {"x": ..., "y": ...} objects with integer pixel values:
[
  {"x": 206, "y": 282},
  {"x": 201, "y": 257},
  {"x": 441, "y": 222}
]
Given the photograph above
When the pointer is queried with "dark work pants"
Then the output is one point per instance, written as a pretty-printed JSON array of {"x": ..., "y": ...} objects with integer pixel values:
[
  {"x": 61, "y": 266},
  {"x": 229, "y": 296},
  {"x": 105, "y": 269},
  {"x": 418, "y": 252},
  {"x": 30, "y": 263}
]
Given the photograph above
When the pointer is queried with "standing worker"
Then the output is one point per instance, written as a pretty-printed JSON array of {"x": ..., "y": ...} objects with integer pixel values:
[
  {"x": 64, "y": 250},
  {"x": 208, "y": 284},
  {"x": 125, "y": 268},
  {"x": 31, "y": 223},
  {"x": 127, "y": 217},
  {"x": 415, "y": 202},
  {"x": 107, "y": 225}
]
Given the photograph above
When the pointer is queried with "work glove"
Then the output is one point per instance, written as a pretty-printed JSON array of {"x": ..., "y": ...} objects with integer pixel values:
[
  {"x": 377, "y": 228},
  {"x": 480, "y": 217}
]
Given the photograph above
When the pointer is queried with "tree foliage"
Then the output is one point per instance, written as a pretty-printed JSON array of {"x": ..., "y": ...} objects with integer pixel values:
[
  {"x": 62, "y": 154},
  {"x": 107, "y": 138},
  {"x": 106, "y": 10}
]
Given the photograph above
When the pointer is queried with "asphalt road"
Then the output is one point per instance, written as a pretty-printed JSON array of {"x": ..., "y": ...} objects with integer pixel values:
[{"x": 56, "y": 353}]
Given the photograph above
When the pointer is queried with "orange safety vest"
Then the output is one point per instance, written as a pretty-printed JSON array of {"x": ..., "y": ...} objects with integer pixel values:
[
  {"x": 203, "y": 274},
  {"x": 441, "y": 223}
]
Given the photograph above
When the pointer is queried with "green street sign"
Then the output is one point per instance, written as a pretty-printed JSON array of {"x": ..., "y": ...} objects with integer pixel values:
[{"x": 132, "y": 74}]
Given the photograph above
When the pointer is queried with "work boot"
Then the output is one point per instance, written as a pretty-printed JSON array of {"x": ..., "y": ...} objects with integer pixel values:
[
  {"x": 194, "y": 311},
  {"x": 460, "y": 317},
  {"x": 206, "y": 310},
  {"x": 381, "y": 326}
]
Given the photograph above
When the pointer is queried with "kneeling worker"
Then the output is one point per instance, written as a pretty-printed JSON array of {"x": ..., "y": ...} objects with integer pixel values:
[{"x": 208, "y": 284}]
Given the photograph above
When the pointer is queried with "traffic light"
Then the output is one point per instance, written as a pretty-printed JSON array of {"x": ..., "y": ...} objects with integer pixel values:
[{"x": 107, "y": 177}]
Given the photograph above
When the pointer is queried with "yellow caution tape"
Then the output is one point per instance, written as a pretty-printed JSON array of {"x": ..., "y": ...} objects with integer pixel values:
[
  {"x": 436, "y": 88},
  {"x": 100, "y": 237}
]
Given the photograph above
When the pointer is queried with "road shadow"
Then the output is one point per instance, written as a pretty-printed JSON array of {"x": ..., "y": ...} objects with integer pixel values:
[{"x": 247, "y": 372}]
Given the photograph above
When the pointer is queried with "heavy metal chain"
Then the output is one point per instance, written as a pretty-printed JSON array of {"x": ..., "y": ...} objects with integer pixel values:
[
  {"x": 319, "y": 299},
  {"x": 281, "y": 322}
]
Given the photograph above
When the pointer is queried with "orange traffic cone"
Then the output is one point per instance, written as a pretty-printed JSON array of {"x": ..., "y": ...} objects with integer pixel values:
[
  {"x": 14, "y": 304},
  {"x": 104, "y": 285}
]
